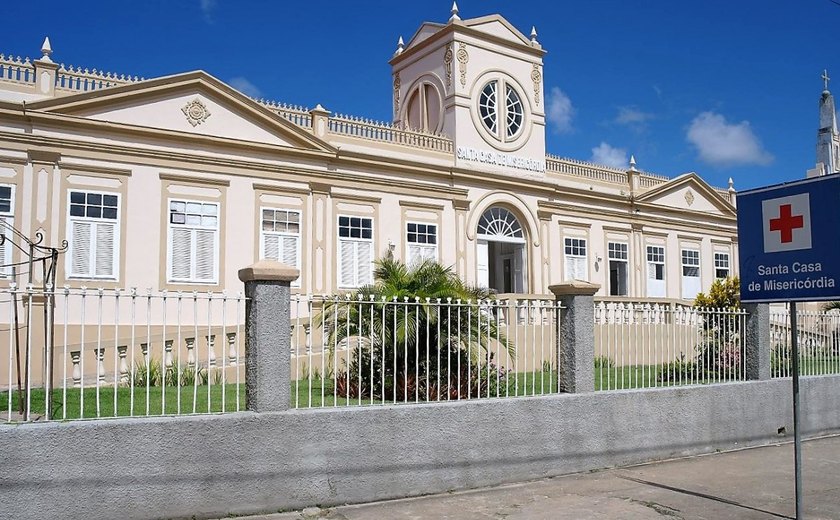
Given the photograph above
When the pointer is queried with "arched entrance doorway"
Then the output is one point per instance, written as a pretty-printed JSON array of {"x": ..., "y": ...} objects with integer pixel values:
[{"x": 501, "y": 252}]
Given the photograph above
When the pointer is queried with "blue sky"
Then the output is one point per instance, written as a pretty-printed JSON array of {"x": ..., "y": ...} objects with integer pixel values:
[{"x": 724, "y": 88}]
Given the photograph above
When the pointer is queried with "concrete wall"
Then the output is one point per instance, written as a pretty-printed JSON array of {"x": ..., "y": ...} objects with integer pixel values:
[{"x": 246, "y": 462}]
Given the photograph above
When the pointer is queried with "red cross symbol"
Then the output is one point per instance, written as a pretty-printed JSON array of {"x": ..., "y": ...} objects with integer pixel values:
[{"x": 786, "y": 223}]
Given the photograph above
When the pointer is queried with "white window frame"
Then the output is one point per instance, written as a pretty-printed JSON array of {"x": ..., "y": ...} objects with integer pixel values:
[
  {"x": 655, "y": 255},
  {"x": 684, "y": 265},
  {"x": 339, "y": 240},
  {"x": 217, "y": 237},
  {"x": 298, "y": 235},
  {"x": 568, "y": 243},
  {"x": 9, "y": 254},
  {"x": 625, "y": 260},
  {"x": 719, "y": 257},
  {"x": 68, "y": 256},
  {"x": 408, "y": 257}
]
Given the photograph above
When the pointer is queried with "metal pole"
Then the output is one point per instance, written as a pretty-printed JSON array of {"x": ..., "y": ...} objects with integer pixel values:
[{"x": 797, "y": 441}]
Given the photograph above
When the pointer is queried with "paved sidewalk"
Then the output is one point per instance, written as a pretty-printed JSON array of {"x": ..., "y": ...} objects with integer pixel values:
[{"x": 748, "y": 484}]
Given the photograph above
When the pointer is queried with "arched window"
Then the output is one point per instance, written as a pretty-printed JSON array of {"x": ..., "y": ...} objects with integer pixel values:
[
  {"x": 501, "y": 110},
  {"x": 424, "y": 108},
  {"x": 499, "y": 224}
]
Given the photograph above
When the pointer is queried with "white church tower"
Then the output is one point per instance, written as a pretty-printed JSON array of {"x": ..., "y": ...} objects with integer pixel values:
[
  {"x": 828, "y": 138},
  {"x": 480, "y": 82}
]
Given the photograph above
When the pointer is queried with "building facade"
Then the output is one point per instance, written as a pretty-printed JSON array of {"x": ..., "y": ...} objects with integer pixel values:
[{"x": 177, "y": 182}]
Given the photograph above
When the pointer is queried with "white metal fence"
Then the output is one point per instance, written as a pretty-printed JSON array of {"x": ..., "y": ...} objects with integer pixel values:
[
  {"x": 642, "y": 345},
  {"x": 89, "y": 353},
  {"x": 364, "y": 350},
  {"x": 818, "y": 342}
]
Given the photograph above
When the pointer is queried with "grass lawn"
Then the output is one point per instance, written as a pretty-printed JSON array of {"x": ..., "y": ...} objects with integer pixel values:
[{"x": 306, "y": 393}]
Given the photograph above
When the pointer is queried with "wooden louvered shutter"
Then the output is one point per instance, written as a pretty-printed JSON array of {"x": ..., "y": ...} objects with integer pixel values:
[
  {"x": 104, "y": 255},
  {"x": 290, "y": 252},
  {"x": 363, "y": 263},
  {"x": 347, "y": 263},
  {"x": 271, "y": 247},
  {"x": 180, "y": 249},
  {"x": 205, "y": 255},
  {"x": 80, "y": 248},
  {"x": 6, "y": 224}
]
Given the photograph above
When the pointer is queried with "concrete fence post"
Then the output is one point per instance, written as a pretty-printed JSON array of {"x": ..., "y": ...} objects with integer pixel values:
[
  {"x": 267, "y": 335},
  {"x": 576, "y": 336},
  {"x": 757, "y": 341}
]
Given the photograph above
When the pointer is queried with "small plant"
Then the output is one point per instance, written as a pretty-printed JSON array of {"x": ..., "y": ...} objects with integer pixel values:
[
  {"x": 147, "y": 373},
  {"x": 602, "y": 362},
  {"x": 679, "y": 370}
]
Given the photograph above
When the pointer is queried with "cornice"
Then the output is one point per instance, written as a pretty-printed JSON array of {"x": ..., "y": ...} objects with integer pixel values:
[
  {"x": 87, "y": 168},
  {"x": 281, "y": 189},
  {"x": 189, "y": 179},
  {"x": 421, "y": 205},
  {"x": 354, "y": 198}
]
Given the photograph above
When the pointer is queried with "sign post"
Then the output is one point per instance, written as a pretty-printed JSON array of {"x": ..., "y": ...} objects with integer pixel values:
[{"x": 789, "y": 246}]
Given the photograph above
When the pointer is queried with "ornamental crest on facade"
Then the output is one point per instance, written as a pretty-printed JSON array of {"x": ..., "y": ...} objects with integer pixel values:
[
  {"x": 196, "y": 112},
  {"x": 536, "y": 77},
  {"x": 689, "y": 197},
  {"x": 397, "y": 84},
  {"x": 447, "y": 63},
  {"x": 463, "y": 59}
]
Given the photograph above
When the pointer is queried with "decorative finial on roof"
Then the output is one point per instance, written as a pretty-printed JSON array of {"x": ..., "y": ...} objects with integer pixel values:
[
  {"x": 632, "y": 163},
  {"x": 46, "y": 50},
  {"x": 400, "y": 46},
  {"x": 534, "y": 35},
  {"x": 825, "y": 79},
  {"x": 454, "y": 11},
  {"x": 731, "y": 184}
]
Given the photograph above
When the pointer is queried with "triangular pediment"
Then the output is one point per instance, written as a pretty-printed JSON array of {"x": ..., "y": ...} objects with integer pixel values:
[
  {"x": 191, "y": 103},
  {"x": 498, "y": 27},
  {"x": 688, "y": 192}
]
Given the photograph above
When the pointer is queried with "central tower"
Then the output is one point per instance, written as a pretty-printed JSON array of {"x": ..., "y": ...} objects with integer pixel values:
[{"x": 480, "y": 82}]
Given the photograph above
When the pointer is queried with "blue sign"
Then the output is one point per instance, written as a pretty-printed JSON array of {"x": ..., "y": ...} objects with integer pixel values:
[{"x": 789, "y": 241}]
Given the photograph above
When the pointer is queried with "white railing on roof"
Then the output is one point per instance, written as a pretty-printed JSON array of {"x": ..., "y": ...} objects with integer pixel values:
[
  {"x": 84, "y": 80},
  {"x": 298, "y": 115},
  {"x": 585, "y": 169},
  {"x": 389, "y": 133},
  {"x": 16, "y": 69}
]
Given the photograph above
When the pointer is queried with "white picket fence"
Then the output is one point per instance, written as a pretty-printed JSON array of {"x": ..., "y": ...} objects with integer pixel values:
[
  {"x": 818, "y": 342},
  {"x": 119, "y": 353},
  {"x": 363, "y": 350},
  {"x": 650, "y": 344}
]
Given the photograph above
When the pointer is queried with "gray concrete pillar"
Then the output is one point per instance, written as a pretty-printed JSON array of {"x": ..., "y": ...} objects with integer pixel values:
[
  {"x": 757, "y": 341},
  {"x": 267, "y": 335},
  {"x": 576, "y": 336}
]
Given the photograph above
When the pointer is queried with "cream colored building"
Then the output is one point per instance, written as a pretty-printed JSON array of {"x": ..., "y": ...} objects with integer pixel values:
[{"x": 177, "y": 182}]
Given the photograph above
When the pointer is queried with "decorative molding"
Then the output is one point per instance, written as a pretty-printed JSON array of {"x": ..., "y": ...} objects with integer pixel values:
[
  {"x": 355, "y": 198},
  {"x": 320, "y": 188},
  {"x": 43, "y": 156},
  {"x": 196, "y": 112},
  {"x": 397, "y": 84},
  {"x": 689, "y": 197},
  {"x": 87, "y": 168},
  {"x": 421, "y": 205},
  {"x": 463, "y": 59},
  {"x": 291, "y": 190},
  {"x": 188, "y": 179},
  {"x": 536, "y": 77},
  {"x": 447, "y": 64},
  {"x": 461, "y": 204}
]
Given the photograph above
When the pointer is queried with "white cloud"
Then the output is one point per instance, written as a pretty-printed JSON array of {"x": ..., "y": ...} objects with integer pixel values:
[
  {"x": 632, "y": 116},
  {"x": 246, "y": 87},
  {"x": 609, "y": 156},
  {"x": 207, "y": 7},
  {"x": 720, "y": 143},
  {"x": 560, "y": 111}
]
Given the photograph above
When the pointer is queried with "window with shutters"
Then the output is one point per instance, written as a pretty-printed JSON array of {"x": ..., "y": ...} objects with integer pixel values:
[
  {"x": 422, "y": 242},
  {"x": 7, "y": 222},
  {"x": 656, "y": 262},
  {"x": 355, "y": 251},
  {"x": 280, "y": 237},
  {"x": 618, "y": 264},
  {"x": 575, "y": 258},
  {"x": 721, "y": 265},
  {"x": 193, "y": 255},
  {"x": 93, "y": 235},
  {"x": 690, "y": 273}
]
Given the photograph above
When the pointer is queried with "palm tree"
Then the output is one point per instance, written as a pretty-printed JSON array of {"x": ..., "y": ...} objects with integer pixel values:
[{"x": 416, "y": 333}]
